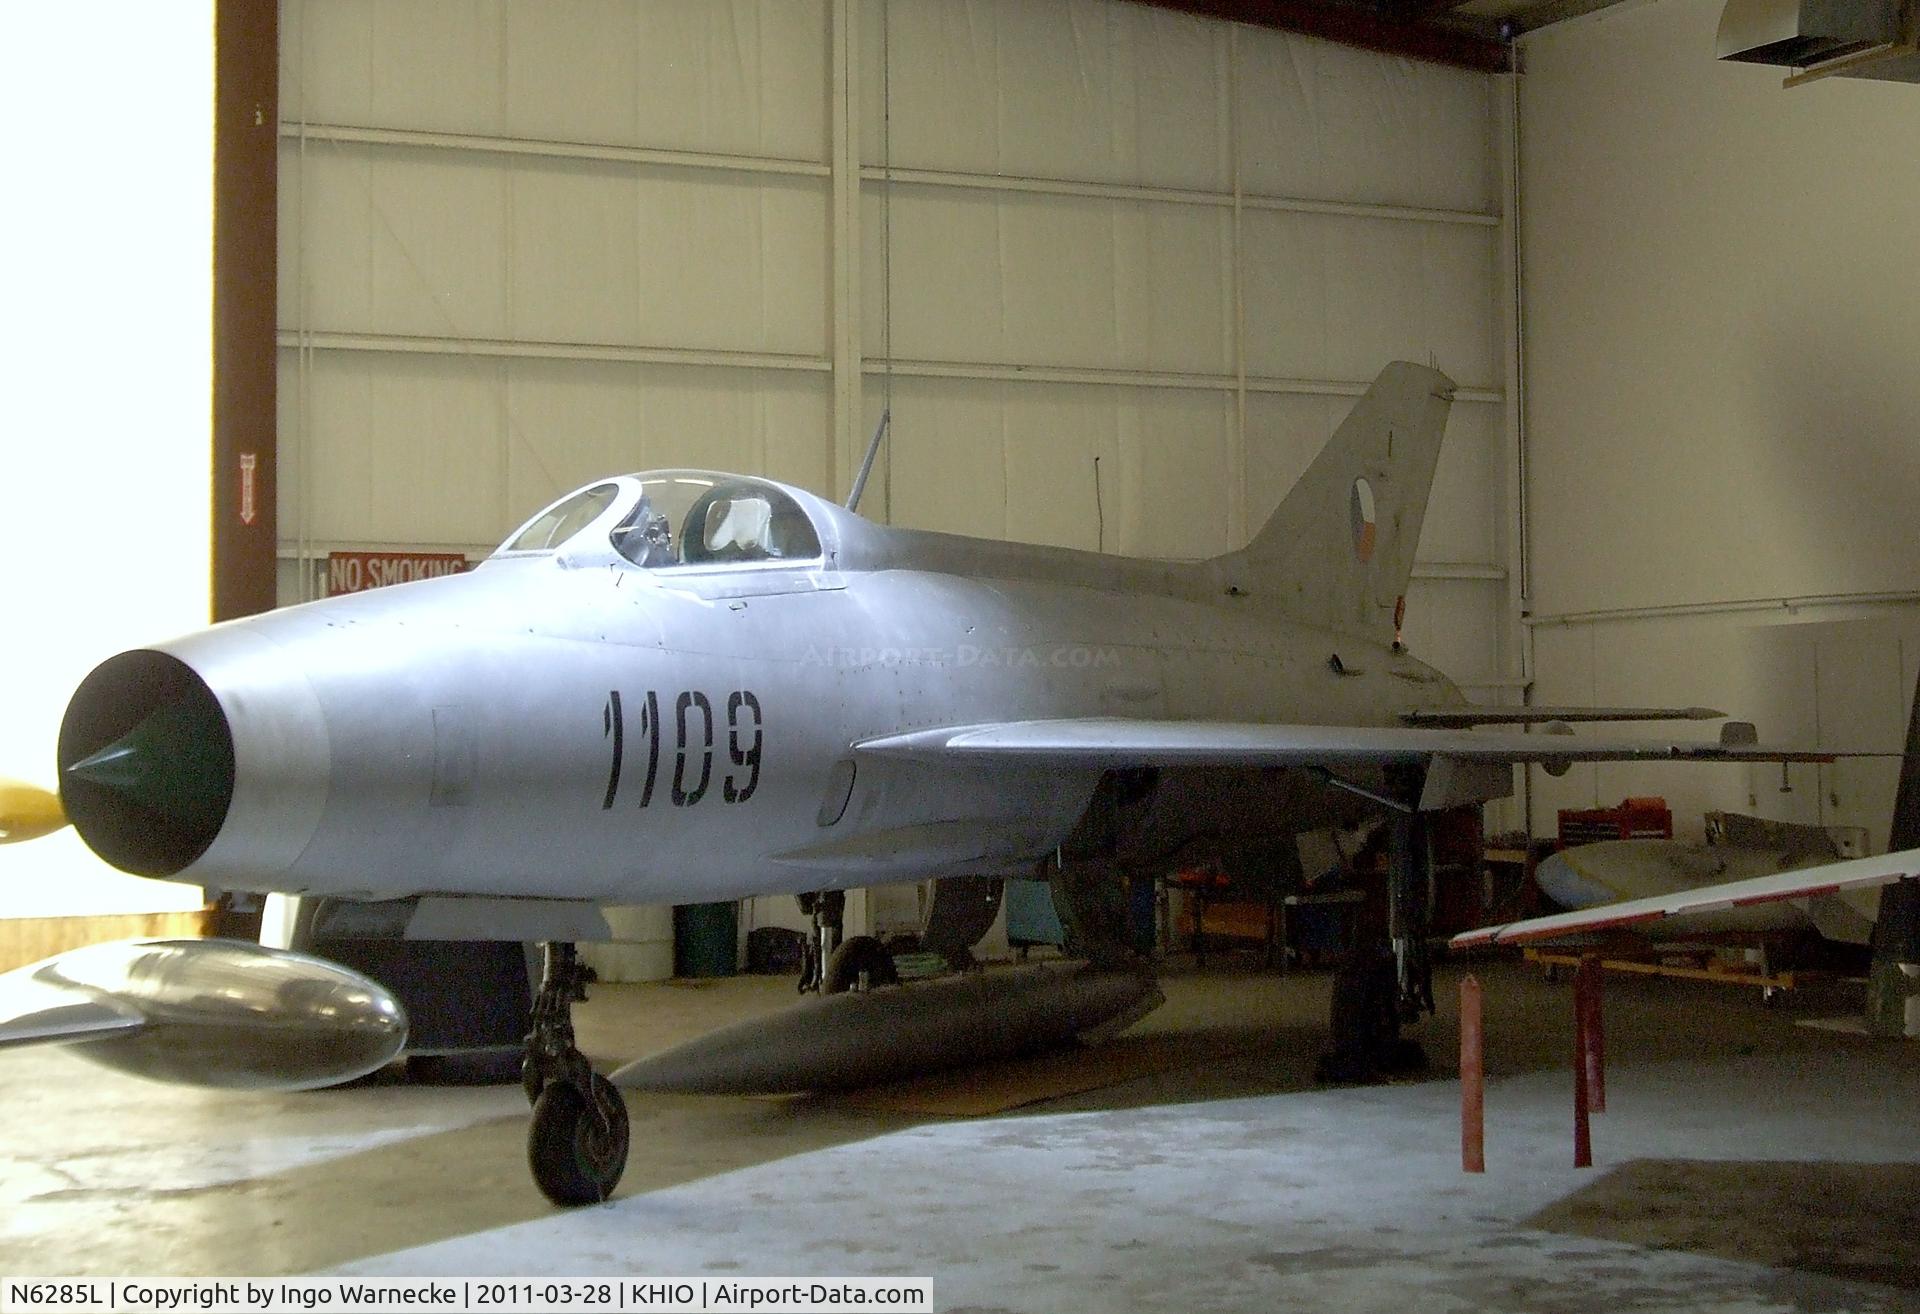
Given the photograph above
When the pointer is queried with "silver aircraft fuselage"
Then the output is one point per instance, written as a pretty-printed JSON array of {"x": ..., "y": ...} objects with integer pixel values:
[{"x": 565, "y": 723}]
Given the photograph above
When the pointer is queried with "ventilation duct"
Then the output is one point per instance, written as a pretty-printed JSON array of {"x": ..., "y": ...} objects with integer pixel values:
[{"x": 1799, "y": 33}]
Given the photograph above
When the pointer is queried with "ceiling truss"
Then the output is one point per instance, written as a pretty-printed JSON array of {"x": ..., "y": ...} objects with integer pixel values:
[{"x": 1413, "y": 28}]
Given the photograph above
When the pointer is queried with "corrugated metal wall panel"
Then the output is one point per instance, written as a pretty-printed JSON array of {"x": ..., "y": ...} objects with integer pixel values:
[
  {"x": 429, "y": 242},
  {"x": 739, "y": 76},
  {"x": 670, "y": 257},
  {"x": 1016, "y": 460},
  {"x": 1450, "y": 623},
  {"x": 454, "y": 450},
  {"x": 657, "y": 416},
  {"x": 995, "y": 277},
  {"x": 1469, "y": 491},
  {"x": 1337, "y": 296},
  {"x": 532, "y": 244},
  {"x": 1331, "y": 123},
  {"x": 1088, "y": 89}
]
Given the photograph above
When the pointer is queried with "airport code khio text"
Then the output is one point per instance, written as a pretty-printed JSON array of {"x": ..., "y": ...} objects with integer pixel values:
[{"x": 500, "y": 1296}]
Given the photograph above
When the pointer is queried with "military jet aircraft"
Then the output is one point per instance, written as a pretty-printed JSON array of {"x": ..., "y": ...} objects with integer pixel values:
[{"x": 682, "y": 686}]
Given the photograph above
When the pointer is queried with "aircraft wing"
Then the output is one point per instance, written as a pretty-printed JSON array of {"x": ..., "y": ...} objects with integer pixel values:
[
  {"x": 1462, "y": 766},
  {"x": 1807, "y": 883},
  {"x": 1459, "y": 716},
  {"x": 1117, "y": 742},
  {"x": 51, "y": 1018}
]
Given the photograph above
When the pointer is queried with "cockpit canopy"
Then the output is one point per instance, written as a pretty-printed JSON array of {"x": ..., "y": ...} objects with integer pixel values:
[{"x": 677, "y": 518}]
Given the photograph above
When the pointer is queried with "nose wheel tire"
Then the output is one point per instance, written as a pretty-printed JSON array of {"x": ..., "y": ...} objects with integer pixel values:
[
  {"x": 859, "y": 963},
  {"x": 577, "y": 1143}
]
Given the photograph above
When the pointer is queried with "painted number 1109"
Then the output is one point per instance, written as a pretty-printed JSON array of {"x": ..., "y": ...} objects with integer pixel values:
[{"x": 692, "y": 744}]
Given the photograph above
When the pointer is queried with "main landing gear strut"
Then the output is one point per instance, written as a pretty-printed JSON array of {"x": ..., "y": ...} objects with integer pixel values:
[
  {"x": 577, "y": 1143},
  {"x": 1388, "y": 984}
]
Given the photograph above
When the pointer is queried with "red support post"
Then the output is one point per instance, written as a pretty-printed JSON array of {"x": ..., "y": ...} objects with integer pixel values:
[
  {"x": 1473, "y": 1080},
  {"x": 1595, "y": 1050}
]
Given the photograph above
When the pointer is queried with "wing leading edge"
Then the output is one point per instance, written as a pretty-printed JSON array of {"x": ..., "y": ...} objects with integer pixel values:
[
  {"x": 1807, "y": 883},
  {"x": 1461, "y": 766},
  {"x": 1118, "y": 742}
]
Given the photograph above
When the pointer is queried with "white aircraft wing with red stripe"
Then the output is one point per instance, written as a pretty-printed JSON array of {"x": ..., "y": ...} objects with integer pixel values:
[{"x": 1807, "y": 883}]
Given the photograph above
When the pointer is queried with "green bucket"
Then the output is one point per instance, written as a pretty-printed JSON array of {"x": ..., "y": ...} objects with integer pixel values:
[{"x": 705, "y": 939}]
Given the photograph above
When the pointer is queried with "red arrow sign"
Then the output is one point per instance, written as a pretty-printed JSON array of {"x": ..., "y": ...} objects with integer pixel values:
[{"x": 248, "y": 464}]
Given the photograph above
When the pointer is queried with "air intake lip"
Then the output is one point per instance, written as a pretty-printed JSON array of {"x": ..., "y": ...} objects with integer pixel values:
[{"x": 146, "y": 763}]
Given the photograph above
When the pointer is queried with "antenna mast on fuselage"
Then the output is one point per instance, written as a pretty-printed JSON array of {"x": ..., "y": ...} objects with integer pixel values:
[{"x": 866, "y": 466}]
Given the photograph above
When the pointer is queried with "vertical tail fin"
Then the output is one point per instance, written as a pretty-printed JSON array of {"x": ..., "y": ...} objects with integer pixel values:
[{"x": 1339, "y": 549}]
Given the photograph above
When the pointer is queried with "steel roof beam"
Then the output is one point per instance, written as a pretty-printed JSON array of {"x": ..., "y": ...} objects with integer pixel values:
[{"x": 1364, "y": 28}]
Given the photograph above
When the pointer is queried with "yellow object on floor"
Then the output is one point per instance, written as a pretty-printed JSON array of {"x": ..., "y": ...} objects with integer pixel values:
[{"x": 27, "y": 812}]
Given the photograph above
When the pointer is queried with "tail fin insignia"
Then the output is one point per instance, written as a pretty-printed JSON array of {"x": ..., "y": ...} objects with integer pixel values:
[{"x": 1339, "y": 550}]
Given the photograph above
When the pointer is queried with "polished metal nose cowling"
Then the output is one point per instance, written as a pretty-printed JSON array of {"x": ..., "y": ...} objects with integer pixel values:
[{"x": 205, "y": 759}]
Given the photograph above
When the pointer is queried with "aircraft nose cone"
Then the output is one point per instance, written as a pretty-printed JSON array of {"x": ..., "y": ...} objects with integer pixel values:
[{"x": 1568, "y": 886}]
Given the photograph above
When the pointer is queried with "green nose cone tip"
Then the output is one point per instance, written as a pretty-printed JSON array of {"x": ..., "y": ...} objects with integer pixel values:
[{"x": 176, "y": 764}]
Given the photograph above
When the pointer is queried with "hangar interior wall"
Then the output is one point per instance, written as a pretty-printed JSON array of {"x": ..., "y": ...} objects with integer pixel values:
[
  {"x": 1116, "y": 272},
  {"x": 1721, "y": 302}
]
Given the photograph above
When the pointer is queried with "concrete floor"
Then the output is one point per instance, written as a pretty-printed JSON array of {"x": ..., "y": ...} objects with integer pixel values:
[{"x": 1745, "y": 1164}]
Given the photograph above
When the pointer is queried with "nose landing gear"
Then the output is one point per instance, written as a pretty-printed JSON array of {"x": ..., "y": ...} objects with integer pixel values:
[
  {"x": 828, "y": 909},
  {"x": 577, "y": 1142}
]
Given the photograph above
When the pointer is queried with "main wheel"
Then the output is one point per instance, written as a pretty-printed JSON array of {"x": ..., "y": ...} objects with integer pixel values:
[
  {"x": 862, "y": 956},
  {"x": 576, "y": 1158},
  {"x": 1365, "y": 1025}
]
